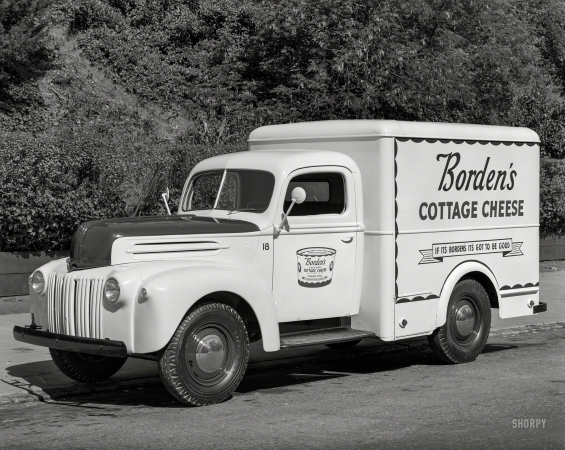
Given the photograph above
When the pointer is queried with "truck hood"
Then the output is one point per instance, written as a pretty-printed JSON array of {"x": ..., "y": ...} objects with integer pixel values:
[{"x": 91, "y": 245}]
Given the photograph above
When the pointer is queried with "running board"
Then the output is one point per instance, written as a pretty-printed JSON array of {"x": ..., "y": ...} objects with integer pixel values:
[{"x": 327, "y": 336}]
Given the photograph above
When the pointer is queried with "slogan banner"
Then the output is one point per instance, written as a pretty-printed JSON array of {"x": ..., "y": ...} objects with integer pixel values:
[{"x": 440, "y": 251}]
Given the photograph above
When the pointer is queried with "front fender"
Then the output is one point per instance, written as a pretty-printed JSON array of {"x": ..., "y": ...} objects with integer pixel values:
[
  {"x": 456, "y": 274},
  {"x": 171, "y": 294}
]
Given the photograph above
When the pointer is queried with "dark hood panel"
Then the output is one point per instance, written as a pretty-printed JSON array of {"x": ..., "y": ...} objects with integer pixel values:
[{"x": 92, "y": 243}]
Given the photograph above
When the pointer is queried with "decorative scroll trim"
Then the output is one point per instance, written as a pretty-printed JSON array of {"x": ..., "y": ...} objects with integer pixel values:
[
  {"x": 466, "y": 141},
  {"x": 419, "y": 298},
  {"x": 519, "y": 286}
]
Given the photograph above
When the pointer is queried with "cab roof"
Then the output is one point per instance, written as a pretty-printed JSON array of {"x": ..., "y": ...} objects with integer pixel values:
[
  {"x": 356, "y": 129},
  {"x": 277, "y": 162}
]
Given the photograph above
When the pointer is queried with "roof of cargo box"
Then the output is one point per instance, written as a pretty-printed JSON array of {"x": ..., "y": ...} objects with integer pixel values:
[{"x": 356, "y": 129}]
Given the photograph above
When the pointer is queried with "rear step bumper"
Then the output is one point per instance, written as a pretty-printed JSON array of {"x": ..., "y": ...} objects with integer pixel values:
[
  {"x": 542, "y": 307},
  {"x": 327, "y": 336}
]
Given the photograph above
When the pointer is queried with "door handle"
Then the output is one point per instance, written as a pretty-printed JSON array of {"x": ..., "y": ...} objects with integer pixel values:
[{"x": 347, "y": 239}]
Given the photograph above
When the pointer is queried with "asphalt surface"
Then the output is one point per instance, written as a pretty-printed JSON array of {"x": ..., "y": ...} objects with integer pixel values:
[{"x": 397, "y": 400}]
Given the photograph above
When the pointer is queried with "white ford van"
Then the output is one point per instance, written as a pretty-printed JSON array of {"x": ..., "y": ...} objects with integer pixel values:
[{"x": 321, "y": 233}]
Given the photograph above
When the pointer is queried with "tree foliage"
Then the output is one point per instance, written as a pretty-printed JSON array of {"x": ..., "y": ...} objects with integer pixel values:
[
  {"x": 219, "y": 68},
  {"x": 479, "y": 62},
  {"x": 25, "y": 50}
]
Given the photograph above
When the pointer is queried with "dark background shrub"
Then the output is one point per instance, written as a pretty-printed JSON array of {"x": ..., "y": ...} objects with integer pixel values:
[{"x": 104, "y": 103}]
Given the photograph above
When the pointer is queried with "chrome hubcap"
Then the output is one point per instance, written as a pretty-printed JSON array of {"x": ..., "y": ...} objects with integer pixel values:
[
  {"x": 465, "y": 320},
  {"x": 210, "y": 353}
]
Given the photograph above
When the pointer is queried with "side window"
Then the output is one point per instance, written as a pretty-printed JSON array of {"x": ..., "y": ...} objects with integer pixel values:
[{"x": 325, "y": 194}]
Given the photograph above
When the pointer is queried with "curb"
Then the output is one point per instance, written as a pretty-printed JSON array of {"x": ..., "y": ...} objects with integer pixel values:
[
  {"x": 258, "y": 368},
  {"x": 76, "y": 390},
  {"x": 525, "y": 329}
]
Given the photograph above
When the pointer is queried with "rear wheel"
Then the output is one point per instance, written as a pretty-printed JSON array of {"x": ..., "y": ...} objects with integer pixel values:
[
  {"x": 84, "y": 367},
  {"x": 465, "y": 332},
  {"x": 206, "y": 358}
]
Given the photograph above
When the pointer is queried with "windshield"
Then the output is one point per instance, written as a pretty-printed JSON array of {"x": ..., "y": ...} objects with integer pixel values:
[{"x": 231, "y": 190}]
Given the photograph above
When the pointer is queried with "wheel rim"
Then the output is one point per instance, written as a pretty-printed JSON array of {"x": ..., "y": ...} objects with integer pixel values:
[
  {"x": 465, "y": 320},
  {"x": 209, "y": 355}
]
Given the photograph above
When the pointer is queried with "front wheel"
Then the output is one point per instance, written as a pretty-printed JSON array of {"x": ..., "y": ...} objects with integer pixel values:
[
  {"x": 465, "y": 332},
  {"x": 84, "y": 367},
  {"x": 206, "y": 358}
]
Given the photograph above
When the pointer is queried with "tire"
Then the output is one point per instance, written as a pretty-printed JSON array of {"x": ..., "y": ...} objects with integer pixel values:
[
  {"x": 464, "y": 335},
  {"x": 84, "y": 367},
  {"x": 194, "y": 374},
  {"x": 343, "y": 345}
]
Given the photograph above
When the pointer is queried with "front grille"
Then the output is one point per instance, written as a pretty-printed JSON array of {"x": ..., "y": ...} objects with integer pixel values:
[{"x": 74, "y": 304}]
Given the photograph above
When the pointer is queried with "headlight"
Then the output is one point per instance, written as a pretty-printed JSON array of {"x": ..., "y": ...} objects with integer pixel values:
[
  {"x": 112, "y": 290},
  {"x": 38, "y": 282}
]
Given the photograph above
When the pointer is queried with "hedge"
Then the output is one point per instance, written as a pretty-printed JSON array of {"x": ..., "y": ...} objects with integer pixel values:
[{"x": 47, "y": 189}]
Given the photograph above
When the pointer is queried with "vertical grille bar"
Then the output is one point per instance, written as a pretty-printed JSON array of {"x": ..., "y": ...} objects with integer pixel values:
[
  {"x": 68, "y": 299},
  {"x": 50, "y": 295},
  {"x": 67, "y": 311},
  {"x": 71, "y": 307},
  {"x": 94, "y": 314},
  {"x": 87, "y": 306},
  {"x": 77, "y": 303},
  {"x": 57, "y": 295},
  {"x": 99, "y": 306},
  {"x": 80, "y": 301},
  {"x": 58, "y": 303}
]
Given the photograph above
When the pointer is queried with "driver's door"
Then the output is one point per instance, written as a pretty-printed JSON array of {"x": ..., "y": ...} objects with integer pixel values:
[{"x": 314, "y": 255}]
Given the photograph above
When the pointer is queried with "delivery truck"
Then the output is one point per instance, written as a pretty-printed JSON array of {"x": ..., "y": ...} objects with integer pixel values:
[{"x": 322, "y": 233}]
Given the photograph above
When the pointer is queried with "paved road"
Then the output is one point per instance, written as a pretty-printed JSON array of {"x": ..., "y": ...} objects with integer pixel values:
[{"x": 403, "y": 400}]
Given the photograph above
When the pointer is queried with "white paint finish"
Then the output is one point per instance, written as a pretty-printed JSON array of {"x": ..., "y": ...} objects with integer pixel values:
[
  {"x": 371, "y": 145},
  {"x": 364, "y": 282},
  {"x": 176, "y": 247},
  {"x": 359, "y": 241},
  {"x": 171, "y": 293},
  {"x": 374, "y": 184},
  {"x": 262, "y": 264},
  {"x": 419, "y": 315},
  {"x": 298, "y": 302},
  {"x": 419, "y": 183},
  {"x": 376, "y": 312},
  {"x": 517, "y": 306},
  {"x": 373, "y": 170},
  {"x": 238, "y": 249},
  {"x": 417, "y": 235},
  {"x": 519, "y": 292},
  {"x": 358, "y": 130}
]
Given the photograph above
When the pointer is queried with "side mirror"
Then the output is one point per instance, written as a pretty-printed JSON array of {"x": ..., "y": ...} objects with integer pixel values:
[
  {"x": 298, "y": 195},
  {"x": 165, "y": 197}
]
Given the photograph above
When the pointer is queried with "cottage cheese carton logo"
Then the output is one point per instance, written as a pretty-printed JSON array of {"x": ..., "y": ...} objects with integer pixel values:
[{"x": 315, "y": 266}]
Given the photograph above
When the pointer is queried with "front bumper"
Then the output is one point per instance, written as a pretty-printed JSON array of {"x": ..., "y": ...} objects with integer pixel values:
[{"x": 102, "y": 347}]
